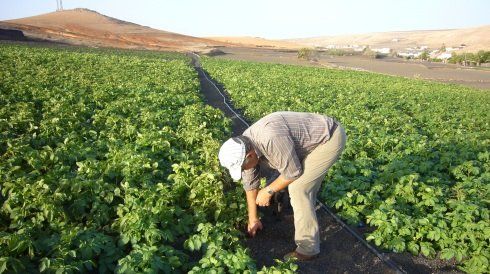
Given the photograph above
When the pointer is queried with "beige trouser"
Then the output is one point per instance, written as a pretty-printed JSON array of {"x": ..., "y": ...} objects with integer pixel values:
[{"x": 303, "y": 191}]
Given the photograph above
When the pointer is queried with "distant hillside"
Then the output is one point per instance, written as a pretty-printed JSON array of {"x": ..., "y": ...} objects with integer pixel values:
[
  {"x": 249, "y": 41},
  {"x": 474, "y": 38},
  {"x": 90, "y": 28},
  {"x": 87, "y": 27}
]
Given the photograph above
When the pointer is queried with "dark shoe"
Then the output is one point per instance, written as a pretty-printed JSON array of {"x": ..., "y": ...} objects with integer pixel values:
[{"x": 299, "y": 257}]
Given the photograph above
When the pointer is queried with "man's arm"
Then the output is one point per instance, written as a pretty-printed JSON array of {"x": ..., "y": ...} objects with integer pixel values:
[
  {"x": 280, "y": 183},
  {"x": 263, "y": 197},
  {"x": 251, "y": 206},
  {"x": 254, "y": 223}
]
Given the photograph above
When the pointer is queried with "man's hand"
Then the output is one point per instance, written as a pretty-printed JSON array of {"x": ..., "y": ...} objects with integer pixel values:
[
  {"x": 263, "y": 198},
  {"x": 253, "y": 227}
]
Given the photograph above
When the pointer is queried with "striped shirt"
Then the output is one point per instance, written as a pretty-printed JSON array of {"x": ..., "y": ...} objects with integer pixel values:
[{"x": 282, "y": 140}]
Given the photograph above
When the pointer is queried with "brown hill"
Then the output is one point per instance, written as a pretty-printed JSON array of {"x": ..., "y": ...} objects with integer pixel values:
[
  {"x": 474, "y": 38},
  {"x": 87, "y": 27},
  {"x": 90, "y": 28}
]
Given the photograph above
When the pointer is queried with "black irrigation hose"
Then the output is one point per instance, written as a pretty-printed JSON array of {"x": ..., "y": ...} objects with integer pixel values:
[
  {"x": 224, "y": 98},
  {"x": 381, "y": 256}
]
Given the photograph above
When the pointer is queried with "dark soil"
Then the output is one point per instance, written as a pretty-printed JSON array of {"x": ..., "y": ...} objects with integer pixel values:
[
  {"x": 10, "y": 34},
  {"x": 340, "y": 251},
  {"x": 16, "y": 36}
]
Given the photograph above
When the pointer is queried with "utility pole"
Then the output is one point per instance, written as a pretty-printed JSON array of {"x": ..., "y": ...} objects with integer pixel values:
[{"x": 59, "y": 5}]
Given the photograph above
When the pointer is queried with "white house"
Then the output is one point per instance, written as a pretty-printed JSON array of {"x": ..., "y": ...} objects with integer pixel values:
[
  {"x": 444, "y": 56},
  {"x": 382, "y": 50},
  {"x": 410, "y": 54},
  {"x": 434, "y": 53},
  {"x": 359, "y": 49}
]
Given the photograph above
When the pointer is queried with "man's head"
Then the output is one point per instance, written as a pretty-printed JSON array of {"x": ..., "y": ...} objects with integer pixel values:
[{"x": 237, "y": 154}]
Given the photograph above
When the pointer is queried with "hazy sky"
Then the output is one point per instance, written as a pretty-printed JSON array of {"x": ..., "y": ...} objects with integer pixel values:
[{"x": 274, "y": 18}]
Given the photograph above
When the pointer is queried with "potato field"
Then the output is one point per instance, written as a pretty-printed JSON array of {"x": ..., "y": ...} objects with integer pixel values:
[
  {"x": 108, "y": 164},
  {"x": 108, "y": 161}
]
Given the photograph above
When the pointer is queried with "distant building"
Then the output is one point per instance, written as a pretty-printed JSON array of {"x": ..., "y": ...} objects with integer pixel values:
[
  {"x": 410, "y": 54},
  {"x": 382, "y": 50},
  {"x": 434, "y": 53},
  {"x": 348, "y": 47},
  {"x": 359, "y": 49},
  {"x": 444, "y": 56}
]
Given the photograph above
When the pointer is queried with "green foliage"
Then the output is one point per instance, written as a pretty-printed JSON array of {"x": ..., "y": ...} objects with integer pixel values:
[
  {"x": 221, "y": 249},
  {"x": 108, "y": 164},
  {"x": 371, "y": 53},
  {"x": 281, "y": 267},
  {"x": 442, "y": 48},
  {"x": 307, "y": 54},
  {"x": 341, "y": 52},
  {"x": 224, "y": 254},
  {"x": 416, "y": 164},
  {"x": 464, "y": 58}
]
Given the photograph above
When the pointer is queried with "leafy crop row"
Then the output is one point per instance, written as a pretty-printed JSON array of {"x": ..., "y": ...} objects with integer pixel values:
[
  {"x": 417, "y": 161},
  {"x": 108, "y": 163}
]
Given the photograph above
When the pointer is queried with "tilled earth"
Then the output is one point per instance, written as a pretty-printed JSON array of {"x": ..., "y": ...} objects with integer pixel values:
[{"x": 341, "y": 252}]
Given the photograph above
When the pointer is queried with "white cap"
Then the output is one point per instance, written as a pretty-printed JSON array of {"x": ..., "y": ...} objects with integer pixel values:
[{"x": 231, "y": 155}]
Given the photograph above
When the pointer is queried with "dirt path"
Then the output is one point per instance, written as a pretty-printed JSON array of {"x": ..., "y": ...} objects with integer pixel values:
[
  {"x": 215, "y": 99},
  {"x": 341, "y": 252}
]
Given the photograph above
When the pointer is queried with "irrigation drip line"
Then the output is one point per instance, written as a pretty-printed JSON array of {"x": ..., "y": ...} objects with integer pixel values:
[
  {"x": 222, "y": 95},
  {"x": 381, "y": 256}
]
